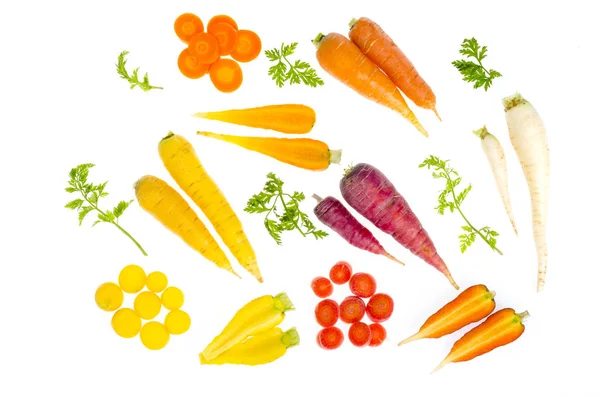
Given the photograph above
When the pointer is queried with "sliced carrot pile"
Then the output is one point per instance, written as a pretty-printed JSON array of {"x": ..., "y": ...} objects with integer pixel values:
[
  {"x": 226, "y": 75},
  {"x": 189, "y": 65},
  {"x": 188, "y": 25},
  {"x": 226, "y": 35},
  {"x": 248, "y": 46},
  {"x": 224, "y": 19}
]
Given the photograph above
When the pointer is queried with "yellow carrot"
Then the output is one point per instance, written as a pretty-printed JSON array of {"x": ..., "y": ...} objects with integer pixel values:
[
  {"x": 166, "y": 205},
  {"x": 180, "y": 159},
  {"x": 289, "y": 119}
]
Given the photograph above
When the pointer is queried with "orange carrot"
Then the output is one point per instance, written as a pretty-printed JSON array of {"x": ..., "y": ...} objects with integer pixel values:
[
  {"x": 188, "y": 25},
  {"x": 189, "y": 65},
  {"x": 382, "y": 50},
  {"x": 204, "y": 47},
  {"x": 222, "y": 18},
  {"x": 499, "y": 329},
  {"x": 248, "y": 46},
  {"x": 226, "y": 75},
  {"x": 226, "y": 35},
  {"x": 472, "y": 305},
  {"x": 343, "y": 60}
]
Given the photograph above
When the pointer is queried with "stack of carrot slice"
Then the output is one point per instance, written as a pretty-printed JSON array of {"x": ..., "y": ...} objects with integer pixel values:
[{"x": 206, "y": 51}]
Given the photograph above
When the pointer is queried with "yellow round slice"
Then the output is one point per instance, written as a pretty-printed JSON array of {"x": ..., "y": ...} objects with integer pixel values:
[
  {"x": 109, "y": 297},
  {"x": 156, "y": 281},
  {"x": 132, "y": 279},
  {"x": 172, "y": 298},
  {"x": 126, "y": 323},
  {"x": 147, "y": 305},
  {"x": 154, "y": 335},
  {"x": 177, "y": 322}
]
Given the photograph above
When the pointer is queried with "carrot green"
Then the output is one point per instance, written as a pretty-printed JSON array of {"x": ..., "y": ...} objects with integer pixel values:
[{"x": 133, "y": 79}]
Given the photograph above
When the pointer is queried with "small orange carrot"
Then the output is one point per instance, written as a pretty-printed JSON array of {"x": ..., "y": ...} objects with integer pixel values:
[
  {"x": 499, "y": 329},
  {"x": 204, "y": 47},
  {"x": 343, "y": 60},
  {"x": 473, "y": 304},
  {"x": 226, "y": 75},
  {"x": 226, "y": 35},
  {"x": 248, "y": 46},
  {"x": 381, "y": 49},
  {"x": 304, "y": 153}
]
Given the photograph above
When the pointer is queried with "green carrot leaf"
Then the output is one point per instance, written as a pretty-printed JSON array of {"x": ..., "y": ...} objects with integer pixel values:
[
  {"x": 133, "y": 79},
  {"x": 475, "y": 72},
  {"x": 285, "y": 71}
]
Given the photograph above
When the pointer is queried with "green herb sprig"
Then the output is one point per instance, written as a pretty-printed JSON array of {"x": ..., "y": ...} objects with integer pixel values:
[
  {"x": 475, "y": 72},
  {"x": 298, "y": 71},
  {"x": 285, "y": 218},
  {"x": 90, "y": 194},
  {"x": 449, "y": 200},
  {"x": 133, "y": 79}
]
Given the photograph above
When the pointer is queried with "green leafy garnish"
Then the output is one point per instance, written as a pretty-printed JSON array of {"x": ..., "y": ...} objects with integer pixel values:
[
  {"x": 90, "y": 194},
  {"x": 475, "y": 72},
  {"x": 133, "y": 80},
  {"x": 298, "y": 71},
  {"x": 449, "y": 200},
  {"x": 290, "y": 216}
]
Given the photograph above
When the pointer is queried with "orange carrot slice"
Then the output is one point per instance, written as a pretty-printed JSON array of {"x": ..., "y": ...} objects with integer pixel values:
[
  {"x": 222, "y": 18},
  {"x": 248, "y": 46},
  {"x": 189, "y": 65},
  {"x": 188, "y": 25},
  {"x": 226, "y": 35},
  {"x": 226, "y": 75},
  {"x": 204, "y": 47}
]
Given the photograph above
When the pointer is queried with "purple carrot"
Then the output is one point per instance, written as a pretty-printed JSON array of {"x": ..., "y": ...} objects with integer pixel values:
[
  {"x": 332, "y": 213},
  {"x": 372, "y": 195}
]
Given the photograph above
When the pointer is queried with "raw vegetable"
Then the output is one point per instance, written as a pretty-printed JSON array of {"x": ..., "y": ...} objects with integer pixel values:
[
  {"x": 248, "y": 46},
  {"x": 363, "y": 285},
  {"x": 290, "y": 218},
  {"x": 472, "y": 305},
  {"x": 343, "y": 60},
  {"x": 172, "y": 298},
  {"x": 133, "y": 79},
  {"x": 442, "y": 170},
  {"x": 341, "y": 272},
  {"x": 90, "y": 194},
  {"x": 475, "y": 72},
  {"x": 304, "y": 153},
  {"x": 322, "y": 287},
  {"x": 383, "y": 52},
  {"x": 335, "y": 215},
  {"x": 204, "y": 47},
  {"x": 147, "y": 305},
  {"x": 298, "y": 72},
  {"x": 189, "y": 66},
  {"x": 330, "y": 338},
  {"x": 256, "y": 316},
  {"x": 109, "y": 297},
  {"x": 378, "y": 334},
  {"x": 289, "y": 119},
  {"x": 528, "y": 137},
  {"x": 182, "y": 163},
  {"x": 167, "y": 206},
  {"x": 226, "y": 75},
  {"x": 177, "y": 322},
  {"x": 380, "y": 308},
  {"x": 263, "y": 348},
  {"x": 226, "y": 36},
  {"x": 126, "y": 323},
  {"x": 499, "y": 329},
  {"x": 156, "y": 281},
  {"x": 154, "y": 335},
  {"x": 132, "y": 279},
  {"x": 352, "y": 309},
  {"x": 368, "y": 191},
  {"x": 359, "y": 334},
  {"x": 222, "y": 18},
  {"x": 495, "y": 155},
  {"x": 187, "y": 25},
  {"x": 327, "y": 313}
]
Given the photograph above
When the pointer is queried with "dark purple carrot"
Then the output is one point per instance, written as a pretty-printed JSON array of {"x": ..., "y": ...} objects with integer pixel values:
[
  {"x": 372, "y": 195},
  {"x": 332, "y": 213}
]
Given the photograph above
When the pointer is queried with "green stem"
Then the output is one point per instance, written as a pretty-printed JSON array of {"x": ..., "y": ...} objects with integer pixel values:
[{"x": 285, "y": 208}]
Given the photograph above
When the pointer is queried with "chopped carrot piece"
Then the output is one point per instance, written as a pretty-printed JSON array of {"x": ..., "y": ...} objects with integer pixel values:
[
  {"x": 248, "y": 46},
  {"x": 226, "y": 75},
  {"x": 204, "y": 47},
  {"x": 189, "y": 65},
  {"x": 226, "y": 35},
  {"x": 222, "y": 18},
  {"x": 188, "y": 25}
]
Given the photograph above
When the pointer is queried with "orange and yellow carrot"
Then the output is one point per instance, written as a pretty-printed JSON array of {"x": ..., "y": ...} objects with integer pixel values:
[
  {"x": 204, "y": 47},
  {"x": 381, "y": 49},
  {"x": 306, "y": 153},
  {"x": 226, "y": 36},
  {"x": 343, "y": 60},
  {"x": 248, "y": 46},
  {"x": 226, "y": 75},
  {"x": 163, "y": 202},
  {"x": 499, "y": 329},
  {"x": 289, "y": 119},
  {"x": 222, "y": 19},
  {"x": 189, "y": 66},
  {"x": 188, "y": 25},
  {"x": 180, "y": 159},
  {"x": 472, "y": 305}
]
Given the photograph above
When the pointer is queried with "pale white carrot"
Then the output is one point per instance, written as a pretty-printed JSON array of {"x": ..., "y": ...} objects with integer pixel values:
[
  {"x": 528, "y": 137},
  {"x": 495, "y": 155}
]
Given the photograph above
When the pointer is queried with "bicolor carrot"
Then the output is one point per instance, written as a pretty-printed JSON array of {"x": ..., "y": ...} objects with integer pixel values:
[
  {"x": 381, "y": 49},
  {"x": 472, "y": 305},
  {"x": 343, "y": 60}
]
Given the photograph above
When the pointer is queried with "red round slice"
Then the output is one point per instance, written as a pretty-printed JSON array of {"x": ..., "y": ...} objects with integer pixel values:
[
  {"x": 330, "y": 338},
  {"x": 327, "y": 313},
  {"x": 322, "y": 287},
  {"x": 378, "y": 334},
  {"x": 352, "y": 309},
  {"x": 380, "y": 307},
  {"x": 359, "y": 334},
  {"x": 340, "y": 273},
  {"x": 363, "y": 285}
]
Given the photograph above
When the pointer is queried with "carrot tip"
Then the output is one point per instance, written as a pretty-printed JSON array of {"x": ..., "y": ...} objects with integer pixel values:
[
  {"x": 410, "y": 339},
  {"x": 352, "y": 22},
  {"x": 317, "y": 197},
  {"x": 524, "y": 316},
  {"x": 440, "y": 366},
  {"x": 335, "y": 156},
  {"x": 394, "y": 259},
  {"x": 317, "y": 40},
  {"x": 449, "y": 277},
  {"x": 437, "y": 114},
  {"x": 421, "y": 129}
]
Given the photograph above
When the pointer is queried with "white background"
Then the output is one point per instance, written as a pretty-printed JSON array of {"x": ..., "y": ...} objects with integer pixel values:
[{"x": 63, "y": 104}]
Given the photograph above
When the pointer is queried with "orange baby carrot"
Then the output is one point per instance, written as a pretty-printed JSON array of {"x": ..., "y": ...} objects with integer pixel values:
[
  {"x": 204, "y": 47},
  {"x": 382, "y": 50},
  {"x": 473, "y": 304},
  {"x": 188, "y": 25},
  {"x": 499, "y": 329},
  {"x": 248, "y": 46},
  {"x": 226, "y": 35},
  {"x": 226, "y": 75},
  {"x": 343, "y": 60},
  {"x": 222, "y": 18}
]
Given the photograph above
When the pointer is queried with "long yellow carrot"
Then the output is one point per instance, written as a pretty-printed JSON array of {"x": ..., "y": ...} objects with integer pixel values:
[
  {"x": 180, "y": 159},
  {"x": 166, "y": 205}
]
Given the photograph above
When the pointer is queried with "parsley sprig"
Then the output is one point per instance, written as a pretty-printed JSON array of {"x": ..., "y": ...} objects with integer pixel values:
[
  {"x": 298, "y": 71},
  {"x": 90, "y": 194},
  {"x": 291, "y": 216},
  {"x": 133, "y": 79},
  {"x": 475, "y": 72},
  {"x": 449, "y": 200}
]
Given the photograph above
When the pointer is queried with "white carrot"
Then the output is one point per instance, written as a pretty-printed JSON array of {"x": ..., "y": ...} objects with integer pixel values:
[
  {"x": 495, "y": 155},
  {"x": 529, "y": 139}
]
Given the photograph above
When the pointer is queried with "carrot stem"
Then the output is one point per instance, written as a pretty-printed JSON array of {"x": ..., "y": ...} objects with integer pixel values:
[
  {"x": 317, "y": 40},
  {"x": 524, "y": 316},
  {"x": 318, "y": 198},
  {"x": 352, "y": 22}
]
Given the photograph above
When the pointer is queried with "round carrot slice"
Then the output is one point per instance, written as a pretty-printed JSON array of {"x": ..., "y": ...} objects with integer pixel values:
[
  {"x": 248, "y": 46},
  {"x": 189, "y": 66},
  {"x": 204, "y": 47},
  {"x": 226, "y": 75},
  {"x": 226, "y": 35},
  {"x": 222, "y": 18},
  {"x": 188, "y": 25}
]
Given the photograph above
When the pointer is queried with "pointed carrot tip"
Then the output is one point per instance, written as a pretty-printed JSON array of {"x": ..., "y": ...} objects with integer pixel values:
[
  {"x": 394, "y": 259},
  {"x": 410, "y": 339},
  {"x": 437, "y": 114},
  {"x": 449, "y": 277},
  {"x": 440, "y": 366}
]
